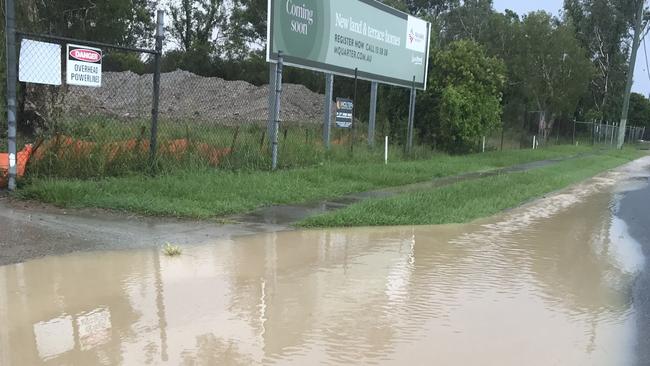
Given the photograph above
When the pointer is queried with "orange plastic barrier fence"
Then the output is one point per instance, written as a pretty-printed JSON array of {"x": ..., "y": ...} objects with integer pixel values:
[
  {"x": 22, "y": 158},
  {"x": 68, "y": 146}
]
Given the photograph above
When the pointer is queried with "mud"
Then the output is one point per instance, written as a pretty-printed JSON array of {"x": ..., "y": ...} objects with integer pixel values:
[
  {"x": 549, "y": 283},
  {"x": 30, "y": 230}
]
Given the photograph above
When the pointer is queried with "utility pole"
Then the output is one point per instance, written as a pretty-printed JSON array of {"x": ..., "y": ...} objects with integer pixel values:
[{"x": 630, "y": 74}]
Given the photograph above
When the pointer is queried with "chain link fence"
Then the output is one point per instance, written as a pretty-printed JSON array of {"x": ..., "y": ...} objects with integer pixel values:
[
  {"x": 207, "y": 123},
  {"x": 80, "y": 131},
  {"x": 202, "y": 122},
  {"x": 595, "y": 133}
]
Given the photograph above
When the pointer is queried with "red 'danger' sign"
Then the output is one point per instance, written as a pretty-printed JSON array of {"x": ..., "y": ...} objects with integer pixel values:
[
  {"x": 86, "y": 55},
  {"x": 84, "y": 66}
]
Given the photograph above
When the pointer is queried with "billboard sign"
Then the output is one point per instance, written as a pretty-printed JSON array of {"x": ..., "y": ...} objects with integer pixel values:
[
  {"x": 84, "y": 66},
  {"x": 339, "y": 36}
]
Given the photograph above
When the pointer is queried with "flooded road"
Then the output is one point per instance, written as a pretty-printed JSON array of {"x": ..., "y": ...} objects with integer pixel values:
[{"x": 555, "y": 282}]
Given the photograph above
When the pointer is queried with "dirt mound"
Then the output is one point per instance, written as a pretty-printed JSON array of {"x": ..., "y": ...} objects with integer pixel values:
[{"x": 184, "y": 95}]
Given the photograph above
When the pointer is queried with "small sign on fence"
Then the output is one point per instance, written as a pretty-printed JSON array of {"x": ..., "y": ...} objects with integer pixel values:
[
  {"x": 344, "y": 108},
  {"x": 84, "y": 66},
  {"x": 40, "y": 62}
]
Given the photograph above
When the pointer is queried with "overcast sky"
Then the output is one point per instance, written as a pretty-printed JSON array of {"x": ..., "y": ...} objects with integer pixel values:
[{"x": 641, "y": 77}]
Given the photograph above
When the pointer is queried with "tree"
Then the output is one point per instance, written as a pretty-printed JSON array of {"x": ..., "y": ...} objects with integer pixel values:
[
  {"x": 465, "y": 94},
  {"x": 248, "y": 20},
  {"x": 639, "y": 111},
  {"x": 469, "y": 21},
  {"x": 193, "y": 23},
  {"x": 122, "y": 22},
  {"x": 552, "y": 67},
  {"x": 602, "y": 28}
]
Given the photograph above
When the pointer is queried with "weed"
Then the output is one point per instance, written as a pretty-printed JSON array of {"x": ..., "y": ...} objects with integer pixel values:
[{"x": 171, "y": 250}]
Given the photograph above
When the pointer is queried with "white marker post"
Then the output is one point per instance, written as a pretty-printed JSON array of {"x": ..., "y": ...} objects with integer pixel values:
[
  {"x": 483, "y": 143},
  {"x": 386, "y": 151},
  {"x": 534, "y": 142}
]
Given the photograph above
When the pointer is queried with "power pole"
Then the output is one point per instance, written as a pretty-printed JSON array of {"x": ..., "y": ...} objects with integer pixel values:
[{"x": 630, "y": 74}]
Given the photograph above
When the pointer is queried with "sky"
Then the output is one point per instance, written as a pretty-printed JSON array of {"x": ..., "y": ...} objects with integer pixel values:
[{"x": 641, "y": 75}]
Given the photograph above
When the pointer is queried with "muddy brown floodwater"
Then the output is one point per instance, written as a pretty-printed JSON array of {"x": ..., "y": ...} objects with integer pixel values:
[{"x": 545, "y": 284}]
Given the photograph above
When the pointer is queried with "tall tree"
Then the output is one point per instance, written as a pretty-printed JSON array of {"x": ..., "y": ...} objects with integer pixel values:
[
  {"x": 248, "y": 19},
  {"x": 123, "y": 22},
  {"x": 639, "y": 111},
  {"x": 194, "y": 23},
  {"x": 552, "y": 66},
  {"x": 603, "y": 29},
  {"x": 469, "y": 21}
]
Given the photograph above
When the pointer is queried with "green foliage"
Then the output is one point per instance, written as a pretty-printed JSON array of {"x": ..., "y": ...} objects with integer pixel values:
[
  {"x": 465, "y": 95},
  {"x": 639, "y": 115},
  {"x": 602, "y": 28},
  {"x": 193, "y": 23},
  {"x": 123, "y": 22},
  {"x": 466, "y": 116},
  {"x": 548, "y": 55}
]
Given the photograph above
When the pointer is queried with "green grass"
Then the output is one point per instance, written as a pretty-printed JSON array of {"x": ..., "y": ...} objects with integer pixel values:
[
  {"x": 210, "y": 193},
  {"x": 467, "y": 201},
  {"x": 300, "y": 145}
]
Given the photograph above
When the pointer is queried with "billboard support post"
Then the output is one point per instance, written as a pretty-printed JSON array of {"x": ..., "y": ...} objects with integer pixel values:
[
  {"x": 276, "y": 110},
  {"x": 409, "y": 142},
  {"x": 354, "y": 111},
  {"x": 272, "y": 86},
  {"x": 373, "y": 114},
  {"x": 327, "y": 120}
]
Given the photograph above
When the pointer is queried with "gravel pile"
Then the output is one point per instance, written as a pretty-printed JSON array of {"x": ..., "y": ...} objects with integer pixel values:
[{"x": 184, "y": 95}]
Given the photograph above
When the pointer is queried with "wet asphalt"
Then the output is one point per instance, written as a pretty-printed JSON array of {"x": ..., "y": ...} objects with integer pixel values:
[{"x": 634, "y": 209}]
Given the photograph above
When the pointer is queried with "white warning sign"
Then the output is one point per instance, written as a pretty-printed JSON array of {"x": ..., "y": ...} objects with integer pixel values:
[
  {"x": 40, "y": 62},
  {"x": 84, "y": 66}
]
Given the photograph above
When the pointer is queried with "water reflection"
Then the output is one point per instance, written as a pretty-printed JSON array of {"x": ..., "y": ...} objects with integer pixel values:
[{"x": 534, "y": 289}]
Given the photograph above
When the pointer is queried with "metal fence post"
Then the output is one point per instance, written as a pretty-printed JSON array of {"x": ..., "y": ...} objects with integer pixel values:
[
  {"x": 276, "y": 109},
  {"x": 573, "y": 139},
  {"x": 327, "y": 119},
  {"x": 503, "y": 128},
  {"x": 593, "y": 132},
  {"x": 10, "y": 22},
  {"x": 409, "y": 138},
  {"x": 160, "y": 36},
  {"x": 270, "y": 126},
  {"x": 373, "y": 113}
]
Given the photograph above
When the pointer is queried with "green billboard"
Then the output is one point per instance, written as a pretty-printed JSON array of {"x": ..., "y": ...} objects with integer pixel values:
[{"x": 339, "y": 36}]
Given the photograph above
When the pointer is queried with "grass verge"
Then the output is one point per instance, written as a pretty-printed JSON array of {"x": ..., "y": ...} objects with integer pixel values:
[
  {"x": 467, "y": 201},
  {"x": 208, "y": 193}
]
